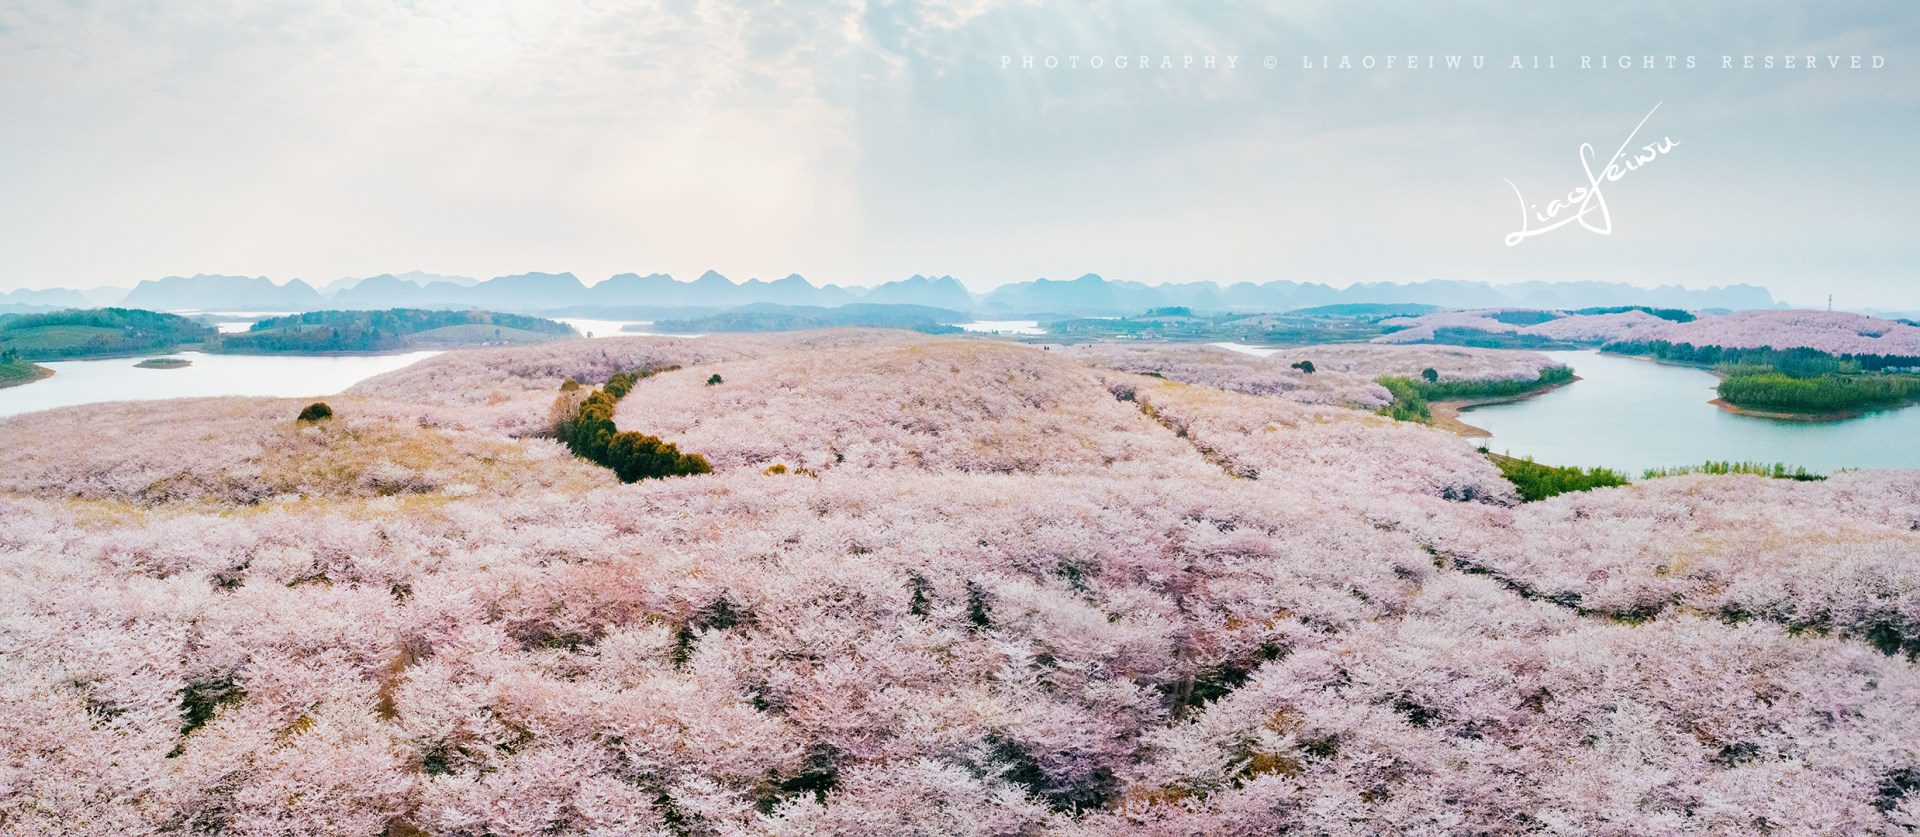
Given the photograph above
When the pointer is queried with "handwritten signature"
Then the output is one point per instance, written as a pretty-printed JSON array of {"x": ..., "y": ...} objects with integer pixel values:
[{"x": 1587, "y": 200}]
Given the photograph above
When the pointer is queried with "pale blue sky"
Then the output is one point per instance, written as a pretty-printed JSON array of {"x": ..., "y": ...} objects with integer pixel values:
[{"x": 859, "y": 143}]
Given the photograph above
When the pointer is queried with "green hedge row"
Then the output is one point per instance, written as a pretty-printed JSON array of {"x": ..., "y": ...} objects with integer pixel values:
[
  {"x": 1538, "y": 482},
  {"x": 589, "y": 432}
]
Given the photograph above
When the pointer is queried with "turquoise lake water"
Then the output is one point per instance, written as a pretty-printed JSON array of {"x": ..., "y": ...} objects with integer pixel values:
[{"x": 1631, "y": 414}]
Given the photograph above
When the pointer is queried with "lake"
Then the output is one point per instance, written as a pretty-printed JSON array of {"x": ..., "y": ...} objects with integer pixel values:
[
  {"x": 1004, "y": 327},
  {"x": 1630, "y": 415},
  {"x": 604, "y": 328},
  {"x": 117, "y": 379}
]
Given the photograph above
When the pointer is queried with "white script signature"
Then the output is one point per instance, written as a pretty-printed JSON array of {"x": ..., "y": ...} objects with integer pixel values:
[{"x": 1587, "y": 200}]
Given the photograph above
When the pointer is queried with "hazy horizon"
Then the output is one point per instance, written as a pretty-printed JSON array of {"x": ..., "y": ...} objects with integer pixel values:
[
  {"x": 856, "y": 144},
  {"x": 737, "y": 280}
]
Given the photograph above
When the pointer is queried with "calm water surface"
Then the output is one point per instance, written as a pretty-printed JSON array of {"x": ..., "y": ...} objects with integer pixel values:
[
  {"x": 1004, "y": 327},
  {"x": 1631, "y": 414},
  {"x": 601, "y": 328},
  {"x": 117, "y": 379},
  {"x": 1256, "y": 351}
]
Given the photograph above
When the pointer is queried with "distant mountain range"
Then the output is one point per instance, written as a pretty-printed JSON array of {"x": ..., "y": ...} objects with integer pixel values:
[
  {"x": 1089, "y": 295},
  {"x": 763, "y": 316},
  {"x": 202, "y": 292},
  {"x": 1092, "y": 295},
  {"x": 415, "y": 276}
]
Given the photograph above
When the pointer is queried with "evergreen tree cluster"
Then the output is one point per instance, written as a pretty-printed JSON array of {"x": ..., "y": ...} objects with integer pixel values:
[{"x": 588, "y": 430}]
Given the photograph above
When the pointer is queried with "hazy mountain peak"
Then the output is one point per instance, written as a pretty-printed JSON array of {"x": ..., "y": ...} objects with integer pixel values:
[{"x": 204, "y": 291}]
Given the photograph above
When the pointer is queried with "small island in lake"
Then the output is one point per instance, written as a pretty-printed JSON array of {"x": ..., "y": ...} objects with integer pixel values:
[{"x": 164, "y": 363}]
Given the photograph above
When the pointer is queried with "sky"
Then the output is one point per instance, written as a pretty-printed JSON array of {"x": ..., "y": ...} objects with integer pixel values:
[{"x": 858, "y": 143}]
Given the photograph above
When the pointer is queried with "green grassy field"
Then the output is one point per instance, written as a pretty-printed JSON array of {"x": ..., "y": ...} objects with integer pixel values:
[
  {"x": 16, "y": 371},
  {"x": 1538, "y": 482},
  {"x": 102, "y": 332},
  {"x": 67, "y": 340}
]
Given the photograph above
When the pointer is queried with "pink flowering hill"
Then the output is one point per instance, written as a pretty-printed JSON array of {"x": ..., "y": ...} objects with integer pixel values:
[
  {"x": 1570, "y": 328},
  {"x": 994, "y": 590},
  {"x": 1833, "y": 332},
  {"x": 1343, "y": 373}
]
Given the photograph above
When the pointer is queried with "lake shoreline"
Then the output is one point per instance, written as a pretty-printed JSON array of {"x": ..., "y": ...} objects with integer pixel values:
[
  {"x": 1446, "y": 414},
  {"x": 1630, "y": 415},
  {"x": 79, "y": 382},
  {"x": 1753, "y": 412}
]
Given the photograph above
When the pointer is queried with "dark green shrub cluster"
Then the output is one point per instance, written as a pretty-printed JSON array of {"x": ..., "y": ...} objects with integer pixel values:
[
  {"x": 619, "y": 385},
  {"x": 590, "y": 433},
  {"x": 1777, "y": 470},
  {"x": 316, "y": 411},
  {"x": 1538, "y": 482},
  {"x": 1304, "y": 366},
  {"x": 1409, "y": 401},
  {"x": 1829, "y": 393},
  {"x": 622, "y": 383},
  {"x": 714, "y": 380}
]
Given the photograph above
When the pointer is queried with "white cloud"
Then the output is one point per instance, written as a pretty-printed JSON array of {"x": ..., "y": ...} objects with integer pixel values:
[{"x": 856, "y": 142}]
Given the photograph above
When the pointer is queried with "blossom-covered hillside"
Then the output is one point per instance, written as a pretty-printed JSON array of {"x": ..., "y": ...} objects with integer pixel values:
[
  {"x": 1833, "y": 332},
  {"x": 1451, "y": 363},
  {"x": 1599, "y": 328},
  {"x": 1343, "y": 373},
  {"x": 1579, "y": 328},
  {"x": 996, "y": 591},
  {"x": 968, "y": 406},
  {"x": 1233, "y": 371}
]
